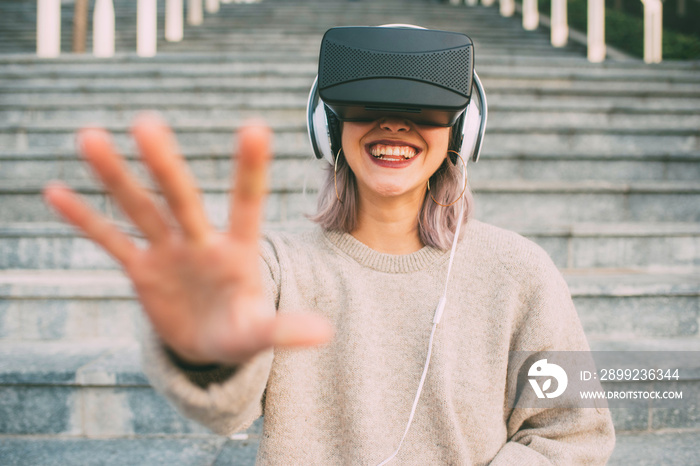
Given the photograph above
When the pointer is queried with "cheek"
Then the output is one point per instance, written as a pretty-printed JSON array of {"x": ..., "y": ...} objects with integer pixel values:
[
  {"x": 438, "y": 138},
  {"x": 351, "y": 140},
  {"x": 438, "y": 141},
  {"x": 352, "y": 132}
]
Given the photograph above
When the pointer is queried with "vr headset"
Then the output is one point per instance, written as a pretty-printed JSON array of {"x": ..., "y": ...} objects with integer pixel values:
[{"x": 425, "y": 76}]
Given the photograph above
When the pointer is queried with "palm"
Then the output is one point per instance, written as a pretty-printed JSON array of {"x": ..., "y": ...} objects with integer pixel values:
[{"x": 200, "y": 288}]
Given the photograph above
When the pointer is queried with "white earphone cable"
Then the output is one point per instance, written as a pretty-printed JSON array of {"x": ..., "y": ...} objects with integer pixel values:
[{"x": 436, "y": 320}]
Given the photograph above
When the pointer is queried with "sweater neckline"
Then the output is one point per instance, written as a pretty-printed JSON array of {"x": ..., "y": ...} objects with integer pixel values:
[{"x": 384, "y": 262}]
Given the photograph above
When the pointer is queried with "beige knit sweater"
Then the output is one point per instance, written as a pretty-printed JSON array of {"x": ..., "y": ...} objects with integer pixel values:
[{"x": 347, "y": 403}]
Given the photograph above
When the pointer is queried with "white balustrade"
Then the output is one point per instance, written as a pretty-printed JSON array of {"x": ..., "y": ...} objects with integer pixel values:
[
  {"x": 212, "y": 6},
  {"x": 596, "y": 31},
  {"x": 48, "y": 33},
  {"x": 653, "y": 30},
  {"x": 507, "y": 8},
  {"x": 559, "y": 24},
  {"x": 174, "y": 13},
  {"x": 195, "y": 14},
  {"x": 48, "y": 24},
  {"x": 146, "y": 28},
  {"x": 103, "y": 29},
  {"x": 48, "y": 28}
]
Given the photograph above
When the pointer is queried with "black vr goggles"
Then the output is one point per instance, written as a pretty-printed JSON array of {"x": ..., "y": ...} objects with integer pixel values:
[{"x": 366, "y": 73}]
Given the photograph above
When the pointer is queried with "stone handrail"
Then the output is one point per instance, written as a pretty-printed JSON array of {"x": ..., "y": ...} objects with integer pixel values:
[{"x": 48, "y": 31}]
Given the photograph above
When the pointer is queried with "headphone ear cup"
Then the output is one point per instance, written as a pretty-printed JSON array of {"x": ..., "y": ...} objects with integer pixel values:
[
  {"x": 334, "y": 134},
  {"x": 472, "y": 126},
  {"x": 317, "y": 126},
  {"x": 321, "y": 136}
]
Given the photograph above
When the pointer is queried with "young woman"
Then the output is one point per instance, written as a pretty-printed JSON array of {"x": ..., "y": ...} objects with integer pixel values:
[{"x": 229, "y": 310}]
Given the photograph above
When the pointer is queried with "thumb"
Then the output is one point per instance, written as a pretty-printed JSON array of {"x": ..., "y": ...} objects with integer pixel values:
[{"x": 300, "y": 330}]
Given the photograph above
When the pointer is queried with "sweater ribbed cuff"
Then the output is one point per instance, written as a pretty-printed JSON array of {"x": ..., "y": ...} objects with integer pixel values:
[{"x": 186, "y": 366}]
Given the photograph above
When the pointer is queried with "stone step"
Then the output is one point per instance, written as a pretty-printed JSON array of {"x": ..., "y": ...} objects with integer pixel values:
[
  {"x": 499, "y": 202},
  {"x": 85, "y": 305},
  {"x": 505, "y": 47},
  {"x": 307, "y": 67},
  {"x": 669, "y": 246},
  {"x": 93, "y": 389},
  {"x": 88, "y": 389},
  {"x": 551, "y": 99},
  {"x": 294, "y": 169},
  {"x": 145, "y": 450},
  {"x": 490, "y": 31},
  {"x": 570, "y": 63},
  {"x": 498, "y": 101},
  {"x": 29, "y": 115},
  {"x": 292, "y": 138},
  {"x": 285, "y": 121},
  {"x": 670, "y": 448},
  {"x": 166, "y": 84},
  {"x": 589, "y": 166}
]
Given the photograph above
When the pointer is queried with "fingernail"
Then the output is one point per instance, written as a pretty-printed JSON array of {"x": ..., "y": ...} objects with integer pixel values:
[{"x": 50, "y": 186}]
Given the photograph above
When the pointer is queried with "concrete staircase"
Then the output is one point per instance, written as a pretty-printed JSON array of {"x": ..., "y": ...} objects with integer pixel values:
[{"x": 600, "y": 164}]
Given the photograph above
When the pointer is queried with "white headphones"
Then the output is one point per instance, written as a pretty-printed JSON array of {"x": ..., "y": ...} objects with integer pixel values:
[{"x": 473, "y": 123}]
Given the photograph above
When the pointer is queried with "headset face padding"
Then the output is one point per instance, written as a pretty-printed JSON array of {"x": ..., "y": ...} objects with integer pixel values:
[{"x": 324, "y": 128}]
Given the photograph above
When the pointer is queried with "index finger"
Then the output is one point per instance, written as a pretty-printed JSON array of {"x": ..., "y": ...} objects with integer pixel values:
[{"x": 250, "y": 185}]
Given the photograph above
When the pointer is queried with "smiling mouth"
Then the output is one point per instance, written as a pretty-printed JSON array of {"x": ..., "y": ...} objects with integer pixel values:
[{"x": 392, "y": 152}]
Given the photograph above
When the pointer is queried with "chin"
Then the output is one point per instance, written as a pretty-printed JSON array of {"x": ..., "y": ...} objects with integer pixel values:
[{"x": 389, "y": 189}]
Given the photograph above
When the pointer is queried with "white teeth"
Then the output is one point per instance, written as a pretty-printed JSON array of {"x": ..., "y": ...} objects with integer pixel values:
[{"x": 379, "y": 150}]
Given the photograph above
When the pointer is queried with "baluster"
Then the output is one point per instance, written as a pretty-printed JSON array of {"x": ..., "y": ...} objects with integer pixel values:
[
  {"x": 173, "y": 20},
  {"x": 487, "y": 2},
  {"x": 596, "y": 31},
  {"x": 653, "y": 30},
  {"x": 195, "y": 15},
  {"x": 146, "y": 28},
  {"x": 103, "y": 29},
  {"x": 559, "y": 24},
  {"x": 48, "y": 28},
  {"x": 212, "y": 6},
  {"x": 472, "y": 2},
  {"x": 507, "y": 7},
  {"x": 531, "y": 15}
]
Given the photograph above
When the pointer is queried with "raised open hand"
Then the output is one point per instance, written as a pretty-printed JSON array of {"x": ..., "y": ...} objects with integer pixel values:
[{"x": 200, "y": 288}]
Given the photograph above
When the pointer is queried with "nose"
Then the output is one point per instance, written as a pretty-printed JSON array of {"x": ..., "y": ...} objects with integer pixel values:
[{"x": 394, "y": 124}]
